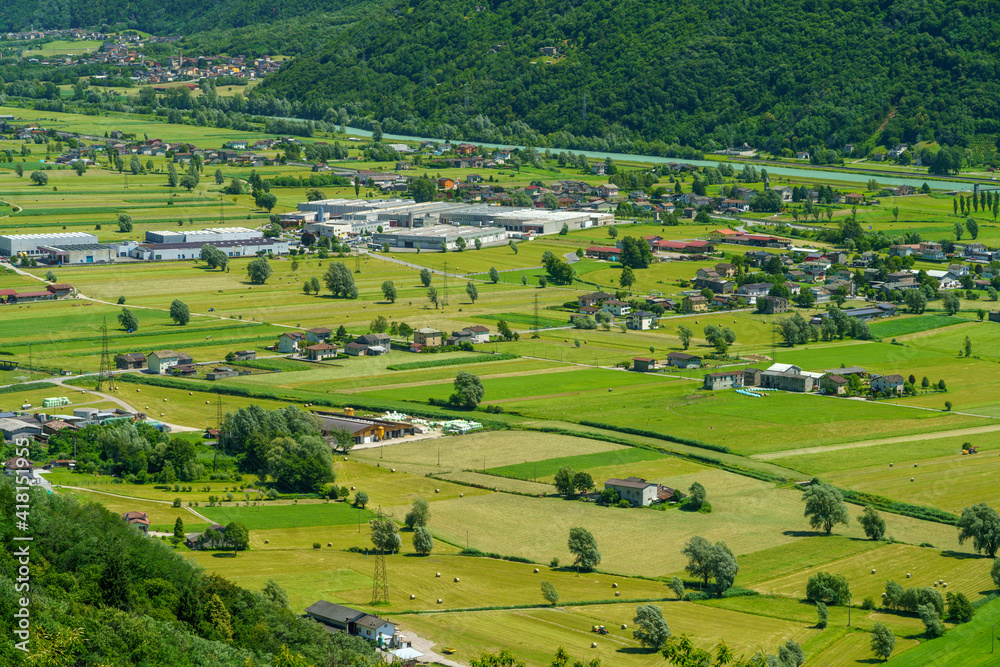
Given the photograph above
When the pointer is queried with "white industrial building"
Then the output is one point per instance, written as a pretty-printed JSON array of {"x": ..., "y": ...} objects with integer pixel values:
[
  {"x": 13, "y": 244},
  {"x": 525, "y": 220},
  {"x": 79, "y": 253},
  {"x": 327, "y": 209},
  {"x": 241, "y": 248},
  {"x": 430, "y": 238},
  {"x": 202, "y": 235}
]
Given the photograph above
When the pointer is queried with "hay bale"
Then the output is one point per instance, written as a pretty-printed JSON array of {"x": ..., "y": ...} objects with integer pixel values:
[
  {"x": 911, "y": 479},
  {"x": 461, "y": 495},
  {"x": 439, "y": 600},
  {"x": 873, "y": 570},
  {"x": 536, "y": 570},
  {"x": 438, "y": 574},
  {"x": 190, "y": 393},
  {"x": 392, "y": 470},
  {"x": 329, "y": 544},
  {"x": 593, "y": 644},
  {"x": 352, "y": 488},
  {"x": 267, "y": 541},
  {"x": 907, "y": 575},
  {"x": 164, "y": 400},
  {"x": 437, "y": 490},
  {"x": 618, "y": 594},
  {"x": 457, "y": 580},
  {"x": 614, "y": 585},
  {"x": 413, "y": 597},
  {"x": 624, "y": 626}
]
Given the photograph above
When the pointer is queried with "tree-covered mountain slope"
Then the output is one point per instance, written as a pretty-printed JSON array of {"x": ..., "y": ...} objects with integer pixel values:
[
  {"x": 641, "y": 74},
  {"x": 175, "y": 17}
]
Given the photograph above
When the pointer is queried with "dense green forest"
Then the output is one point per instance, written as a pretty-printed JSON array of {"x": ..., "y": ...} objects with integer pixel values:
[
  {"x": 799, "y": 74},
  {"x": 178, "y": 17},
  {"x": 103, "y": 593}
]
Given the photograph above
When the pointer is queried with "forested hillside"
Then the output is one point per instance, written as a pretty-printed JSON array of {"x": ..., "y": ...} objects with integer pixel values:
[
  {"x": 104, "y": 594},
  {"x": 798, "y": 74},
  {"x": 178, "y": 17}
]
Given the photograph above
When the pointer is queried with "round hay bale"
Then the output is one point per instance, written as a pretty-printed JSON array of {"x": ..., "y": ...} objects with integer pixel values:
[
  {"x": 190, "y": 393},
  {"x": 164, "y": 400},
  {"x": 329, "y": 544},
  {"x": 352, "y": 488},
  {"x": 945, "y": 585},
  {"x": 890, "y": 465},
  {"x": 439, "y": 600},
  {"x": 624, "y": 626},
  {"x": 457, "y": 580},
  {"x": 536, "y": 570},
  {"x": 911, "y": 479},
  {"x": 609, "y": 389},
  {"x": 618, "y": 594},
  {"x": 161, "y": 414},
  {"x": 437, "y": 490},
  {"x": 392, "y": 470},
  {"x": 614, "y": 585},
  {"x": 907, "y": 575},
  {"x": 267, "y": 541},
  {"x": 593, "y": 644},
  {"x": 873, "y": 570},
  {"x": 206, "y": 402},
  {"x": 136, "y": 391},
  {"x": 461, "y": 495},
  {"x": 413, "y": 597},
  {"x": 914, "y": 465},
  {"x": 883, "y": 594},
  {"x": 438, "y": 574},
  {"x": 935, "y": 584}
]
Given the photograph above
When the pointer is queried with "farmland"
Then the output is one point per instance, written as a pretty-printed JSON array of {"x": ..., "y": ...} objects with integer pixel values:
[{"x": 556, "y": 398}]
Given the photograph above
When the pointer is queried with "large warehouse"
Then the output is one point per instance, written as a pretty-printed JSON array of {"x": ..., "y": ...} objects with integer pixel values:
[
  {"x": 325, "y": 209},
  {"x": 525, "y": 220},
  {"x": 430, "y": 238},
  {"x": 79, "y": 253},
  {"x": 12, "y": 244},
  {"x": 243, "y": 248},
  {"x": 202, "y": 235}
]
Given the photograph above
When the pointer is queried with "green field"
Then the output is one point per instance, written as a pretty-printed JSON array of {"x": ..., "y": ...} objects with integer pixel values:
[
  {"x": 288, "y": 516},
  {"x": 910, "y": 325},
  {"x": 549, "y": 467}
]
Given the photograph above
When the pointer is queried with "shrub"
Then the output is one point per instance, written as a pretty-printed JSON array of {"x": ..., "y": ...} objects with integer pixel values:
[
  {"x": 869, "y": 603},
  {"x": 316, "y": 545}
]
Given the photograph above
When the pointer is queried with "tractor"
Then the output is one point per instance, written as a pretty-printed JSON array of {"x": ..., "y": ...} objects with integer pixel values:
[{"x": 599, "y": 629}]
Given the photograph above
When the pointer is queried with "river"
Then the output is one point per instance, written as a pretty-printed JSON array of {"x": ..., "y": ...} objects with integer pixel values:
[{"x": 798, "y": 174}]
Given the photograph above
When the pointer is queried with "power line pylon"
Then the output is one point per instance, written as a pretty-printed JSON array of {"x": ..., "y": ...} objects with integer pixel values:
[
  {"x": 106, "y": 374},
  {"x": 380, "y": 583}
]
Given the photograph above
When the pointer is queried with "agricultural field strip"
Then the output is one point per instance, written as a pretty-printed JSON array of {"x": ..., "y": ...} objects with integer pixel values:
[
  {"x": 445, "y": 381},
  {"x": 770, "y": 456}
]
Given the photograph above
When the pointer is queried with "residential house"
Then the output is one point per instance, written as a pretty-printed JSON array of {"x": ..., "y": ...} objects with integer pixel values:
[
  {"x": 771, "y": 305},
  {"x": 635, "y": 490},
  {"x": 318, "y": 335},
  {"x": 753, "y": 291},
  {"x": 321, "y": 351},
  {"x": 130, "y": 361},
  {"x": 724, "y": 380},
  {"x": 594, "y": 298},
  {"x": 60, "y": 289},
  {"x": 607, "y": 191},
  {"x": 245, "y": 355},
  {"x": 801, "y": 155},
  {"x": 427, "y": 337},
  {"x": 616, "y": 307},
  {"x": 376, "y": 343},
  {"x": 138, "y": 519},
  {"x": 683, "y": 360},
  {"x": 725, "y": 270},
  {"x": 642, "y": 320},
  {"x": 834, "y": 384},
  {"x": 694, "y": 304},
  {"x": 161, "y": 360},
  {"x": 355, "y": 349},
  {"x": 887, "y": 383},
  {"x": 787, "y": 380},
  {"x": 478, "y": 333},
  {"x": 289, "y": 342}
]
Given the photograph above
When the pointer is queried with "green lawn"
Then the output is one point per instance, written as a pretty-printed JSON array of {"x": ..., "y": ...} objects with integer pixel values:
[
  {"x": 549, "y": 467},
  {"x": 908, "y": 325},
  {"x": 288, "y": 516}
]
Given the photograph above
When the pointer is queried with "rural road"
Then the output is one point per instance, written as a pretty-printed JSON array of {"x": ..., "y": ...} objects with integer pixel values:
[
  {"x": 956, "y": 433},
  {"x": 174, "y": 428},
  {"x": 145, "y": 500}
]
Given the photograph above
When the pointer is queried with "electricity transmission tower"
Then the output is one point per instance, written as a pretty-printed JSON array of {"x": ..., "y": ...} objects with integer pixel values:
[
  {"x": 105, "y": 375},
  {"x": 380, "y": 584}
]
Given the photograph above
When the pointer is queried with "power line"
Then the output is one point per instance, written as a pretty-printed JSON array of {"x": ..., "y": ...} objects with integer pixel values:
[{"x": 106, "y": 373}]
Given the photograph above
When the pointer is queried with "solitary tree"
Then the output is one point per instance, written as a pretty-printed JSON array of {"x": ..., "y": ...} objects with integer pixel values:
[
  {"x": 39, "y": 178},
  {"x": 179, "y": 312},
  {"x": 494, "y": 275},
  {"x": 179, "y": 528},
  {"x": 685, "y": 335},
  {"x": 432, "y": 296},
  {"x": 872, "y": 523},
  {"x": 128, "y": 320},
  {"x": 825, "y": 507},
  {"x": 627, "y": 279},
  {"x": 189, "y": 182},
  {"x": 513, "y": 246},
  {"x": 259, "y": 270},
  {"x": 828, "y": 588},
  {"x": 385, "y": 534},
  {"x": 883, "y": 641},
  {"x": 238, "y": 536},
  {"x": 423, "y": 542},
  {"x": 124, "y": 222},
  {"x": 697, "y": 494},
  {"x": 425, "y": 277},
  {"x": 360, "y": 499},
  {"x": 419, "y": 514},
  {"x": 219, "y": 178},
  {"x": 822, "y": 614},
  {"x": 584, "y": 547},
  {"x": 981, "y": 524},
  {"x": 472, "y": 291},
  {"x": 650, "y": 628},
  {"x": 339, "y": 281},
  {"x": 550, "y": 593},
  {"x": 469, "y": 390},
  {"x": 389, "y": 291},
  {"x": 973, "y": 228},
  {"x": 677, "y": 586},
  {"x": 699, "y": 553},
  {"x": 80, "y": 167},
  {"x": 950, "y": 302}
]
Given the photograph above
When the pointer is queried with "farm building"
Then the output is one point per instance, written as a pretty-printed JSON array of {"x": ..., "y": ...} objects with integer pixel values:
[
  {"x": 221, "y": 373},
  {"x": 78, "y": 253},
  {"x": 724, "y": 380},
  {"x": 364, "y": 429},
  {"x": 161, "y": 360},
  {"x": 608, "y": 253},
  {"x": 834, "y": 384},
  {"x": 130, "y": 361},
  {"x": 683, "y": 360},
  {"x": 638, "y": 491},
  {"x": 786, "y": 381},
  {"x": 351, "y": 621},
  {"x": 60, "y": 289},
  {"x": 643, "y": 364},
  {"x": 245, "y": 355},
  {"x": 13, "y": 428}
]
